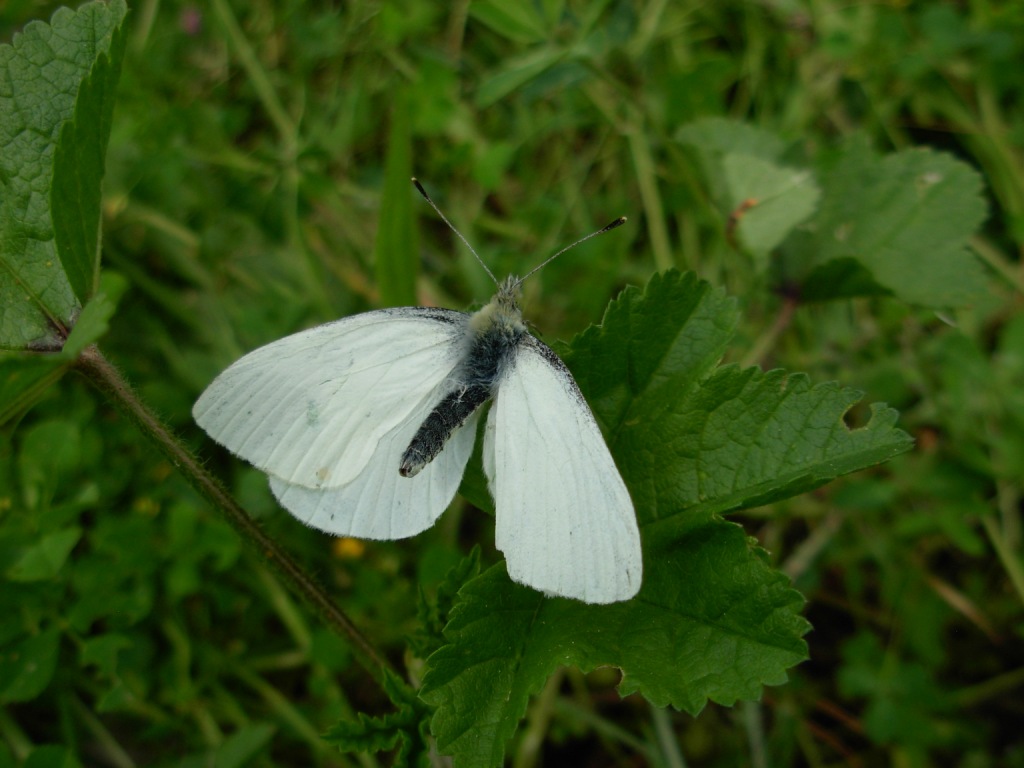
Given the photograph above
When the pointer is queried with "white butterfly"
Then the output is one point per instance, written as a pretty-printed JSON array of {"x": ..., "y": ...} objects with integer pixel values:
[{"x": 365, "y": 426}]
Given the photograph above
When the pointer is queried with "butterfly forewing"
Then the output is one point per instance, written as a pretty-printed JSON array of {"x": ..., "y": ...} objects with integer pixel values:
[
  {"x": 311, "y": 409},
  {"x": 564, "y": 518}
]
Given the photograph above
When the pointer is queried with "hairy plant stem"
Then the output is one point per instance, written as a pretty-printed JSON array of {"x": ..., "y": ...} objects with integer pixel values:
[{"x": 103, "y": 375}]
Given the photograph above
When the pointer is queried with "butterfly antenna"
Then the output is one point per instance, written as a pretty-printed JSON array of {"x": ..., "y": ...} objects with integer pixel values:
[
  {"x": 422, "y": 191},
  {"x": 608, "y": 228}
]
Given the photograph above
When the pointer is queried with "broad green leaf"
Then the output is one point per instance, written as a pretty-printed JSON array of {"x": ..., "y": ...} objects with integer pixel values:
[
  {"x": 712, "y": 621},
  {"x": 79, "y": 161},
  {"x": 45, "y": 558},
  {"x": 904, "y": 219},
  {"x": 27, "y": 666},
  {"x": 650, "y": 346},
  {"x": 762, "y": 199},
  {"x": 395, "y": 258},
  {"x": 895, "y": 225},
  {"x": 719, "y": 136},
  {"x": 727, "y": 438},
  {"x": 120, "y": 698},
  {"x": 767, "y": 200},
  {"x": 52, "y": 74},
  {"x": 744, "y": 438},
  {"x": 713, "y": 138}
]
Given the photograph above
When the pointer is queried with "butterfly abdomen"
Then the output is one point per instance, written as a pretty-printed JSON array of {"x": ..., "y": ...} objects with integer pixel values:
[{"x": 492, "y": 335}]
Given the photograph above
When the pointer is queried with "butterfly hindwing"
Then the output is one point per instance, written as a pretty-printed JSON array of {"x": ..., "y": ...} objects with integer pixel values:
[{"x": 379, "y": 503}]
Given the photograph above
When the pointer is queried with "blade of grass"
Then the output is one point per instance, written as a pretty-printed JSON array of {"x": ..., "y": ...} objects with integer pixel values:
[
  {"x": 1009, "y": 559},
  {"x": 654, "y": 212},
  {"x": 394, "y": 252},
  {"x": 667, "y": 741}
]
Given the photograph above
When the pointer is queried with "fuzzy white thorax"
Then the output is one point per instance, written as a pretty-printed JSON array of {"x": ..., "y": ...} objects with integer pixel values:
[{"x": 502, "y": 312}]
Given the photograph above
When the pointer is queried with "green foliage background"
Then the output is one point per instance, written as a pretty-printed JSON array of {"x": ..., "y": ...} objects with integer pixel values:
[{"x": 251, "y": 190}]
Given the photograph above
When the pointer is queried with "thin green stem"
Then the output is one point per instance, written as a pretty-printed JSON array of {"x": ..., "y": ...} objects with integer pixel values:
[
  {"x": 572, "y": 711},
  {"x": 108, "y": 380},
  {"x": 14, "y": 737},
  {"x": 754, "y": 726},
  {"x": 257, "y": 74},
  {"x": 108, "y": 746},
  {"x": 283, "y": 708},
  {"x": 1009, "y": 559},
  {"x": 998, "y": 262},
  {"x": 767, "y": 340},
  {"x": 647, "y": 180},
  {"x": 990, "y": 689},
  {"x": 540, "y": 716},
  {"x": 668, "y": 744}
]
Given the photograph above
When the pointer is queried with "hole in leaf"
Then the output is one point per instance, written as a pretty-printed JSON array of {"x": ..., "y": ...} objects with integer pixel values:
[{"x": 857, "y": 415}]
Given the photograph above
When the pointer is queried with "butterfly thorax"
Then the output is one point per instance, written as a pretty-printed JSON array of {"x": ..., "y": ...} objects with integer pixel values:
[{"x": 501, "y": 314}]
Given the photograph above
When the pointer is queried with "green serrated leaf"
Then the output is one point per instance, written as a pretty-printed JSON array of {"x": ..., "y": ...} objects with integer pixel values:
[
  {"x": 726, "y": 440},
  {"x": 468, "y": 568},
  {"x": 763, "y": 198},
  {"x": 367, "y": 734},
  {"x": 36, "y": 292},
  {"x": 405, "y": 726},
  {"x": 905, "y": 218},
  {"x": 652, "y": 346},
  {"x": 712, "y": 620},
  {"x": 27, "y": 666},
  {"x": 45, "y": 559},
  {"x": 434, "y": 615},
  {"x": 396, "y": 260},
  {"x": 744, "y": 438}
]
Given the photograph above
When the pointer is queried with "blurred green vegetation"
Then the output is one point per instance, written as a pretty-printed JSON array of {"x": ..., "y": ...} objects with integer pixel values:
[{"x": 250, "y": 147}]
